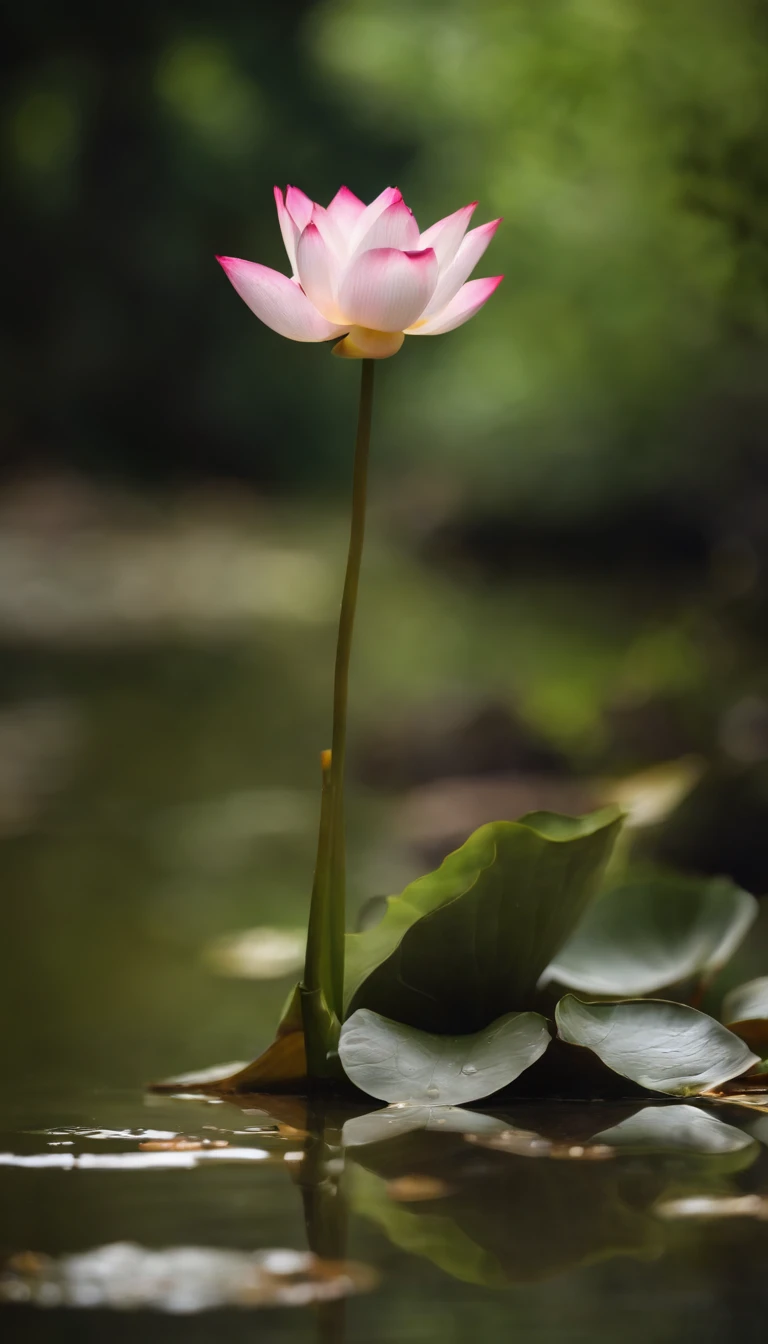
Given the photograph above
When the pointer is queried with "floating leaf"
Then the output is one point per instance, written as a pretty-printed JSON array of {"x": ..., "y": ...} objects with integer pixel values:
[
  {"x": 666, "y": 1047},
  {"x": 467, "y": 943},
  {"x": 399, "y": 1063},
  {"x": 674, "y": 1129},
  {"x": 406, "y": 1118},
  {"x": 745, "y": 1012},
  {"x": 653, "y": 933}
]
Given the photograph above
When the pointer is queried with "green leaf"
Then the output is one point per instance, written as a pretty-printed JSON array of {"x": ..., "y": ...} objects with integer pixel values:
[
  {"x": 652, "y": 933},
  {"x": 675, "y": 1129},
  {"x": 398, "y": 1063},
  {"x": 745, "y": 1012},
  {"x": 467, "y": 943},
  {"x": 666, "y": 1047}
]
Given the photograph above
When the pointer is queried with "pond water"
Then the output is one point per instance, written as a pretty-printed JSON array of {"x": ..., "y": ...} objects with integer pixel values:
[
  {"x": 551, "y": 1223},
  {"x": 160, "y": 736}
]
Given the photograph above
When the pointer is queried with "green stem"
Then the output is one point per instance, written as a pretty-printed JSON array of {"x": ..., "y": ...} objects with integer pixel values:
[
  {"x": 341, "y": 684},
  {"x": 322, "y": 991},
  {"x": 319, "y": 1027},
  {"x": 317, "y": 963}
]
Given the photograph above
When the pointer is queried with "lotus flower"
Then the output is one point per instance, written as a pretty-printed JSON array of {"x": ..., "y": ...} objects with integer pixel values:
[{"x": 365, "y": 273}]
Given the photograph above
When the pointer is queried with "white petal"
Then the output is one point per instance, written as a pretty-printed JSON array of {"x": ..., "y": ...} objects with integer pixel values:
[
  {"x": 395, "y": 227},
  {"x": 386, "y": 289},
  {"x": 278, "y": 301},
  {"x": 331, "y": 234},
  {"x": 345, "y": 209},
  {"x": 447, "y": 233},
  {"x": 464, "y": 263},
  {"x": 316, "y": 269},
  {"x": 463, "y": 305},
  {"x": 287, "y": 228},
  {"x": 299, "y": 207},
  {"x": 371, "y": 213}
]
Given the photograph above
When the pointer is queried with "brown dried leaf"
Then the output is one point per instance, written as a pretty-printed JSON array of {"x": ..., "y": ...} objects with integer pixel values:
[{"x": 282, "y": 1068}]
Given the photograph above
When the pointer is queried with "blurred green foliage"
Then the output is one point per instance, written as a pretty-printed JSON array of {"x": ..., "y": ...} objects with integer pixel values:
[{"x": 623, "y": 141}]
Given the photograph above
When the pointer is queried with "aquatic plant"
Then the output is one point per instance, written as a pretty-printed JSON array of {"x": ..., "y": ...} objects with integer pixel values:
[
  {"x": 449, "y": 998},
  {"x": 367, "y": 274}
]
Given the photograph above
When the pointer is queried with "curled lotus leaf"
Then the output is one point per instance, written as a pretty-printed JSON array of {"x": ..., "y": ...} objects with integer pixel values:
[
  {"x": 652, "y": 933},
  {"x": 663, "y": 1046},
  {"x": 467, "y": 943}
]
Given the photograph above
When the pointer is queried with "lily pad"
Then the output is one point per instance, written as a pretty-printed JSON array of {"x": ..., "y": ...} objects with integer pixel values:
[
  {"x": 467, "y": 943},
  {"x": 745, "y": 1012},
  {"x": 666, "y": 1047},
  {"x": 653, "y": 933},
  {"x": 675, "y": 1129},
  {"x": 398, "y": 1063}
]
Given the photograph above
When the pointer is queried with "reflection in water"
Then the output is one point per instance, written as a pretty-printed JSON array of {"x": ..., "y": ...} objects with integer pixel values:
[
  {"x": 492, "y": 1200},
  {"x": 497, "y": 1217},
  {"x": 181, "y": 1279},
  {"x": 715, "y": 1206},
  {"x": 675, "y": 1129}
]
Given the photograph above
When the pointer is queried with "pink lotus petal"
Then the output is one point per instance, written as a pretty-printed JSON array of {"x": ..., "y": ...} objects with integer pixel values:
[
  {"x": 459, "y": 270},
  {"x": 395, "y": 227},
  {"x": 361, "y": 343},
  {"x": 371, "y": 213},
  {"x": 316, "y": 267},
  {"x": 330, "y": 232},
  {"x": 299, "y": 207},
  {"x": 462, "y": 306},
  {"x": 447, "y": 233},
  {"x": 278, "y": 301},
  {"x": 287, "y": 228},
  {"x": 386, "y": 289},
  {"x": 345, "y": 209}
]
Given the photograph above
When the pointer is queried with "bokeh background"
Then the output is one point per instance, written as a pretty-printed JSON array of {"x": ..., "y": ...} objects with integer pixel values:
[{"x": 565, "y": 593}]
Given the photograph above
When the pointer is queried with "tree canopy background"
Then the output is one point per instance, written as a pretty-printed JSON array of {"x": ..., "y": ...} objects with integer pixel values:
[{"x": 622, "y": 140}]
